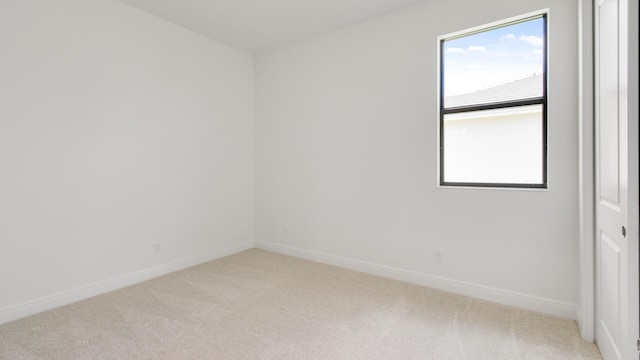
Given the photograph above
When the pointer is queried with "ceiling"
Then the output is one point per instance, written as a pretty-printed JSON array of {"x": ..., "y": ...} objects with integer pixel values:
[{"x": 255, "y": 26}]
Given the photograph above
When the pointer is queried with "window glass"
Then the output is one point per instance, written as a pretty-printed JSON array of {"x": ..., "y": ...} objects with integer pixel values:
[
  {"x": 494, "y": 61},
  {"x": 494, "y": 146},
  {"x": 493, "y": 108}
]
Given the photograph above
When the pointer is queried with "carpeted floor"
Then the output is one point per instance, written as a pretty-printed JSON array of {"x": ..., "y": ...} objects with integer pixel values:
[{"x": 261, "y": 305}]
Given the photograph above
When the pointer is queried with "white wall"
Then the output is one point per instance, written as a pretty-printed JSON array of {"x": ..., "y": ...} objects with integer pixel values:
[
  {"x": 346, "y": 158},
  {"x": 494, "y": 146},
  {"x": 117, "y": 130}
]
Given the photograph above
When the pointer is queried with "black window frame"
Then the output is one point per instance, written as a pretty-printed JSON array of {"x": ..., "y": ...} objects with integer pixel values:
[{"x": 542, "y": 100}]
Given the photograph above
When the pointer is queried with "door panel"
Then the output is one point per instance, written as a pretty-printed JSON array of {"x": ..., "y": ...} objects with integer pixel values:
[
  {"x": 610, "y": 280},
  {"x": 612, "y": 267},
  {"x": 608, "y": 102}
]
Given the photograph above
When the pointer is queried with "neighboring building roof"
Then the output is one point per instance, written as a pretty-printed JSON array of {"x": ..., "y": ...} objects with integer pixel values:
[{"x": 525, "y": 88}]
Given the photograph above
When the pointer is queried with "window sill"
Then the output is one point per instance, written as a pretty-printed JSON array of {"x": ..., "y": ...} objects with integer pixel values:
[{"x": 532, "y": 189}]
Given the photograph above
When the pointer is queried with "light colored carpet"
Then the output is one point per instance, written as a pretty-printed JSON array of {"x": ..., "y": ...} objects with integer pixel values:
[{"x": 261, "y": 305}]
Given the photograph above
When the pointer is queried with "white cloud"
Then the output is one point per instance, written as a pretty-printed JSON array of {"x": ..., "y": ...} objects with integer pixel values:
[
  {"x": 469, "y": 49},
  {"x": 531, "y": 39},
  {"x": 508, "y": 37},
  {"x": 476, "y": 48},
  {"x": 537, "y": 51},
  {"x": 456, "y": 51}
]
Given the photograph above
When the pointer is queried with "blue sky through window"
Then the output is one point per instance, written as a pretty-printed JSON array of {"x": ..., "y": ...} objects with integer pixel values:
[{"x": 493, "y": 57}]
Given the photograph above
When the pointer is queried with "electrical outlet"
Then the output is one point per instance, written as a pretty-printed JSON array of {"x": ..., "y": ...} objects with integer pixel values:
[
  {"x": 156, "y": 248},
  {"x": 437, "y": 257}
]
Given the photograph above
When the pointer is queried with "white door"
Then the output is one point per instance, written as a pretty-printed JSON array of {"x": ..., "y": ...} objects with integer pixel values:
[{"x": 612, "y": 207}]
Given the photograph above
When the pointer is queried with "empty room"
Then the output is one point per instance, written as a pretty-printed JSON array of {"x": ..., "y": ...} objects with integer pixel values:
[{"x": 319, "y": 179}]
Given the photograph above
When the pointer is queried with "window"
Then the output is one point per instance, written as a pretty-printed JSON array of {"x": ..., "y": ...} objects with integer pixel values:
[{"x": 493, "y": 106}]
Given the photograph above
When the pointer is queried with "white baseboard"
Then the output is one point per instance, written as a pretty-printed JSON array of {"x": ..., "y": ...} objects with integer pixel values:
[
  {"x": 473, "y": 290},
  {"x": 500, "y": 296},
  {"x": 85, "y": 292}
]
